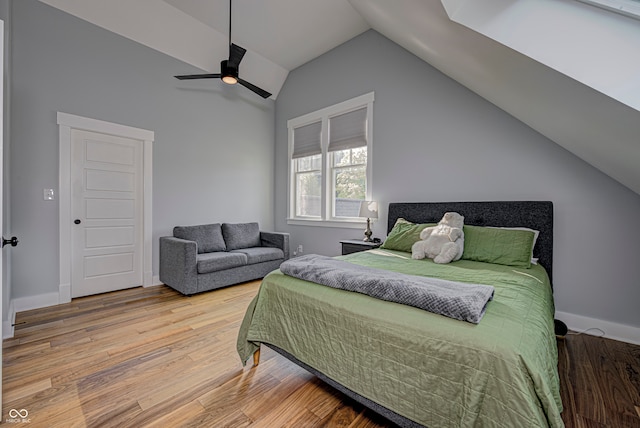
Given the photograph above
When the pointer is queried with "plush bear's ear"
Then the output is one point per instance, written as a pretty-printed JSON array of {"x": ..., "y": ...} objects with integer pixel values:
[{"x": 456, "y": 219}]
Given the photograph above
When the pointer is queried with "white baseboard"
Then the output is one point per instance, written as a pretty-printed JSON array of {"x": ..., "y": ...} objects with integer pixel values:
[
  {"x": 35, "y": 302},
  {"x": 26, "y": 304},
  {"x": 621, "y": 332}
]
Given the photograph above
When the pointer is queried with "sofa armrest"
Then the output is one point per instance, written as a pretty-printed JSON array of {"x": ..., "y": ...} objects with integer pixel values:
[
  {"x": 276, "y": 240},
  {"x": 178, "y": 265}
]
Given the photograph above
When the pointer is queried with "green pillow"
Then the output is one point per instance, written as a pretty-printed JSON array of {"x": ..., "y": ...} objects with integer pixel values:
[
  {"x": 403, "y": 235},
  {"x": 500, "y": 246}
]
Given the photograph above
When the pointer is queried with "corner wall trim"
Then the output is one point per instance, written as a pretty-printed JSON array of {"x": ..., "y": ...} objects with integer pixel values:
[
  {"x": 7, "y": 325},
  {"x": 155, "y": 281},
  {"x": 64, "y": 292},
  {"x": 615, "y": 331}
]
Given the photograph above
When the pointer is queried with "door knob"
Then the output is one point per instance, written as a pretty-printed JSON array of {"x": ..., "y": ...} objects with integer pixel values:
[
  {"x": 77, "y": 221},
  {"x": 13, "y": 241}
]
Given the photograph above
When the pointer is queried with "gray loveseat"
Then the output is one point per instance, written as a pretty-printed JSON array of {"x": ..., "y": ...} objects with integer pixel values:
[{"x": 209, "y": 256}]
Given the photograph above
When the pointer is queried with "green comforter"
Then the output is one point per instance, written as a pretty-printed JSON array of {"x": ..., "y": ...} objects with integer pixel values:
[{"x": 434, "y": 370}]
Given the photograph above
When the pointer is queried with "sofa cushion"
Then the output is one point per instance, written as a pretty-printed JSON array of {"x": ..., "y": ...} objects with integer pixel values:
[
  {"x": 241, "y": 235},
  {"x": 214, "y": 262},
  {"x": 261, "y": 254},
  {"x": 208, "y": 237}
]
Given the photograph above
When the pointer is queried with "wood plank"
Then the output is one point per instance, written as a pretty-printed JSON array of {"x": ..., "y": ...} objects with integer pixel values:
[
  {"x": 16, "y": 394},
  {"x": 178, "y": 416},
  {"x": 605, "y": 360},
  {"x": 628, "y": 363},
  {"x": 26, "y": 351},
  {"x": 589, "y": 401},
  {"x": 181, "y": 399},
  {"x": 291, "y": 408},
  {"x": 567, "y": 390},
  {"x": 208, "y": 419}
]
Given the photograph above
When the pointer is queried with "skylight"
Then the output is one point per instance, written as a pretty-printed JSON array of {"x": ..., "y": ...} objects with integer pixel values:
[{"x": 625, "y": 7}]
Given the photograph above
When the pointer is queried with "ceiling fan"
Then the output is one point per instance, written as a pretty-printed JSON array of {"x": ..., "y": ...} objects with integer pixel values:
[{"x": 229, "y": 68}]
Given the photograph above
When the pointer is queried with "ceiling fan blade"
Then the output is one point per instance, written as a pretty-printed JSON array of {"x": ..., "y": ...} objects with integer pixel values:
[
  {"x": 254, "y": 88},
  {"x": 198, "y": 76},
  {"x": 235, "y": 55}
]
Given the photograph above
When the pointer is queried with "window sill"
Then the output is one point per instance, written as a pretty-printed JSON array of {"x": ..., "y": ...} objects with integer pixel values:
[{"x": 345, "y": 224}]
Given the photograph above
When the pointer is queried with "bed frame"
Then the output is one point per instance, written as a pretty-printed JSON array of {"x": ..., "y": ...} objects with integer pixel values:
[{"x": 537, "y": 215}]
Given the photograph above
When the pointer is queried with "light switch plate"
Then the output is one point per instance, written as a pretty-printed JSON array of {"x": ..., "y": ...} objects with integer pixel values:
[{"x": 49, "y": 195}]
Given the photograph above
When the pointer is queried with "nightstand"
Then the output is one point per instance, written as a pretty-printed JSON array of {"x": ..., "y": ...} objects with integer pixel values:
[{"x": 354, "y": 245}]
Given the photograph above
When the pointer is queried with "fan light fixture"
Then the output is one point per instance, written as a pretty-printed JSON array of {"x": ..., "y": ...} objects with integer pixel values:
[
  {"x": 229, "y": 80},
  {"x": 229, "y": 73},
  {"x": 229, "y": 68}
]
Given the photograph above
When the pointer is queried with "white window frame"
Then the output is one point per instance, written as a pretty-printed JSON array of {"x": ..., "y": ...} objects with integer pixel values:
[{"x": 327, "y": 219}]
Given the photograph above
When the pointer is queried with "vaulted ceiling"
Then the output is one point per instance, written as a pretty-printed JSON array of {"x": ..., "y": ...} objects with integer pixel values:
[{"x": 567, "y": 69}]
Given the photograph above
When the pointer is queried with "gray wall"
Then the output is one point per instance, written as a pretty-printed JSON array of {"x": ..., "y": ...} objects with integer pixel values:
[
  {"x": 213, "y": 153},
  {"x": 434, "y": 140}
]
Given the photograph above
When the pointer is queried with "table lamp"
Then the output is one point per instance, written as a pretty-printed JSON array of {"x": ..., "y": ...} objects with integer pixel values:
[{"x": 368, "y": 209}]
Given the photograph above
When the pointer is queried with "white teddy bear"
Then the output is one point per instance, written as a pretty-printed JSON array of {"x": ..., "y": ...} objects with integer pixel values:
[{"x": 444, "y": 242}]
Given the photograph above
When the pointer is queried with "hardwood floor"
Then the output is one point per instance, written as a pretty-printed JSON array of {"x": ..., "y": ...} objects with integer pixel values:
[
  {"x": 151, "y": 357},
  {"x": 599, "y": 381}
]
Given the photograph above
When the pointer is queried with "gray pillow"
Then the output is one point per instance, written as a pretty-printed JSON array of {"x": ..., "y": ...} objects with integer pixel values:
[
  {"x": 208, "y": 237},
  {"x": 241, "y": 235}
]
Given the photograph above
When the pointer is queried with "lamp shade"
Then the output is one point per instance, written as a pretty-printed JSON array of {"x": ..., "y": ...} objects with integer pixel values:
[{"x": 368, "y": 209}]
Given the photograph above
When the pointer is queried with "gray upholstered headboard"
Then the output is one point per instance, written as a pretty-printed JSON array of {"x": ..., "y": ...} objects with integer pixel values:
[{"x": 536, "y": 215}]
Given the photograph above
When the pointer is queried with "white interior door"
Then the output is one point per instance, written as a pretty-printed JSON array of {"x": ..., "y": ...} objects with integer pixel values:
[{"x": 106, "y": 210}]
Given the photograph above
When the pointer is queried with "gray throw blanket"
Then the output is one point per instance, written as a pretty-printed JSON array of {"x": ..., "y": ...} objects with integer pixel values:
[{"x": 461, "y": 301}]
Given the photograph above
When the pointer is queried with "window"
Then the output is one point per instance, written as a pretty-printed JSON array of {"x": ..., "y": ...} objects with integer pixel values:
[{"x": 330, "y": 163}]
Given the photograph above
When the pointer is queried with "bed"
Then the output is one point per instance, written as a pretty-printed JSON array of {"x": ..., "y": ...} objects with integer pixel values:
[{"x": 419, "y": 368}]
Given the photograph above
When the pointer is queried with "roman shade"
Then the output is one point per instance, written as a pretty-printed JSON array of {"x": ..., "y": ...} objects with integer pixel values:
[
  {"x": 306, "y": 140},
  {"x": 348, "y": 130}
]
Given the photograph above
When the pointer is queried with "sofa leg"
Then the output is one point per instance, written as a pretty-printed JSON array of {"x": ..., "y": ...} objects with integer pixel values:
[{"x": 256, "y": 358}]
